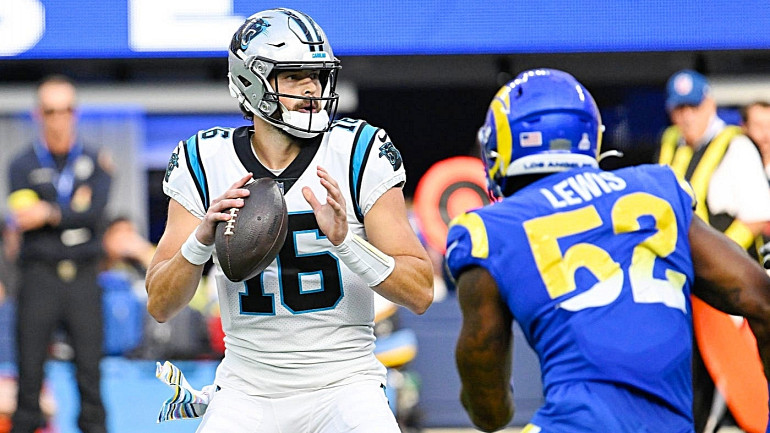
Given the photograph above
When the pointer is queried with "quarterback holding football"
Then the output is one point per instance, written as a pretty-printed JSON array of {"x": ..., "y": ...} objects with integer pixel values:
[{"x": 298, "y": 336}]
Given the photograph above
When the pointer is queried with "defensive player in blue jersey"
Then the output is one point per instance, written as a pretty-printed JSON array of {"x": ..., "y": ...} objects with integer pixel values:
[{"x": 596, "y": 267}]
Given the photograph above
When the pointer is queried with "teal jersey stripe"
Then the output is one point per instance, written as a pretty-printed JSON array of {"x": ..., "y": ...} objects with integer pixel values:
[
  {"x": 360, "y": 151},
  {"x": 195, "y": 165}
]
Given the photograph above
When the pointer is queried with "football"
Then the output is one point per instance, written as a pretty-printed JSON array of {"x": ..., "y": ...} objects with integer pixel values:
[{"x": 251, "y": 239}]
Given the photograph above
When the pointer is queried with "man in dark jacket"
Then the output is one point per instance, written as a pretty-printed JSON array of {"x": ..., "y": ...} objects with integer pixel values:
[{"x": 59, "y": 191}]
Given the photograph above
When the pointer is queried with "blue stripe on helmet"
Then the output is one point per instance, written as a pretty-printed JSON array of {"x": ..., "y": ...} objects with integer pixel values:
[
  {"x": 361, "y": 148},
  {"x": 303, "y": 26}
]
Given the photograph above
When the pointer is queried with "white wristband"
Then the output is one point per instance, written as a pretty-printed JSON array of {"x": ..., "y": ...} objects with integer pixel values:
[
  {"x": 363, "y": 258},
  {"x": 194, "y": 251}
]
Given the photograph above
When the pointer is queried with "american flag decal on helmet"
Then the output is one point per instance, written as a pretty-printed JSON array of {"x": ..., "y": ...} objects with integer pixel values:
[{"x": 531, "y": 139}]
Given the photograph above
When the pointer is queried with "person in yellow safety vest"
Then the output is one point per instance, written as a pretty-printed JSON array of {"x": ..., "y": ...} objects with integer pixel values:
[{"x": 727, "y": 175}]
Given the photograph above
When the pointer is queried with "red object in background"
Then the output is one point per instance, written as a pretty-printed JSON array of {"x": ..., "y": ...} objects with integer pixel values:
[
  {"x": 449, "y": 188},
  {"x": 731, "y": 356},
  {"x": 5, "y": 426},
  {"x": 216, "y": 335}
]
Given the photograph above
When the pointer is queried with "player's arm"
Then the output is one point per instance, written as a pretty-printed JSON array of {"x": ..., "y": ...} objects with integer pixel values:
[
  {"x": 186, "y": 244},
  {"x": 748, "y": 190},
  {"x": 393, "y": 261},
  {"x": 483, "y": 351},
  {"x": 388, "y": 229},
  {"x": 729, "y": 280}
]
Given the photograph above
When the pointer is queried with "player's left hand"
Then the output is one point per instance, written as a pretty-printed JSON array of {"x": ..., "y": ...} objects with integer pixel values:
[
  {"x": 332, "y": 215},
  {"x": 218, "y": 210}
]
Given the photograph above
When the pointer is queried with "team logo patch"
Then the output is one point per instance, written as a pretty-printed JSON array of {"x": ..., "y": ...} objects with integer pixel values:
[
  {"x": 173, "y": 163},
  {"x": 389, "y": 151}
]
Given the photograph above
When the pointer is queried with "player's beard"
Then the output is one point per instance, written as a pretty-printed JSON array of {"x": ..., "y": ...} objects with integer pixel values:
[
  {"x": 299, "y": 141},
  {"x": 297, "y": 106},
  {"x": 303, "y": 104}
]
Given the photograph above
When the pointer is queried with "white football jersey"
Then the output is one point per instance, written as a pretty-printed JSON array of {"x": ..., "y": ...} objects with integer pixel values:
[{"x": 306, "y": 322}]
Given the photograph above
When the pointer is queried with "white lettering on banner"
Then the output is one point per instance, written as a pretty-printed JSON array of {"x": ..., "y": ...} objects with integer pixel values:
[
  {"x": 183, "y": 25},
  {"x": 22, "y": 23}
]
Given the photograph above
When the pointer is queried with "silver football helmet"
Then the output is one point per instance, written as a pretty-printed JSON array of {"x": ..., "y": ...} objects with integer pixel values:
[{"x": 277, "y": 40}]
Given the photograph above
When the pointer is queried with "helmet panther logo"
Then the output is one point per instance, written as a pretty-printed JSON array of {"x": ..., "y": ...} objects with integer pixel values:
[
  {"x": 251, "y": 30},
  {"x": 389, "y": 151}
]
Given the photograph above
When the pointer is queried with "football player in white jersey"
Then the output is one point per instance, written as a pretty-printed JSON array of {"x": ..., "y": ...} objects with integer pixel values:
[{"x": 299, "y": 338}]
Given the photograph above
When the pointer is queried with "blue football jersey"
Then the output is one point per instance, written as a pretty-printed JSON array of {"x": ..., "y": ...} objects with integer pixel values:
[{"x": 596, "y": 268}]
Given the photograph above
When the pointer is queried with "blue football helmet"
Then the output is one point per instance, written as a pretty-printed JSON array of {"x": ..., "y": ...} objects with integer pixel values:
[
  {"x": 277, "y": 40},
  {"x": 543, "y": 121}
]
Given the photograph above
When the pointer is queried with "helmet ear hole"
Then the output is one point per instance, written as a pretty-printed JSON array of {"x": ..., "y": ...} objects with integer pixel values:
[{"x": 244, "y": 81}]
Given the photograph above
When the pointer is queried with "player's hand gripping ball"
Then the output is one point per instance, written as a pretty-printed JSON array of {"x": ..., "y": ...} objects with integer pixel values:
[{"x": 251, "y": 239}]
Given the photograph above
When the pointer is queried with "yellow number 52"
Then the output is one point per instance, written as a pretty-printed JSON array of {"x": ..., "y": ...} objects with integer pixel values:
[{"x": 557, "y": 268}]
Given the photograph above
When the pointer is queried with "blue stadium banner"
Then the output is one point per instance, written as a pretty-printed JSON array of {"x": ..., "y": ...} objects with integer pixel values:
[{"x": 61, "y": 29}]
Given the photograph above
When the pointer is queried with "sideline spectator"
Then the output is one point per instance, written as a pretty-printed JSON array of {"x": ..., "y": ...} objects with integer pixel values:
[
  {"x": 729, "y": 181},
  {"x": 59, "y": 190},
  {"x": 756, "y": 125}
]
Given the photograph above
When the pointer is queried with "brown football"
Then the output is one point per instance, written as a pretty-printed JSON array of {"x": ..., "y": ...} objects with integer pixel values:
[{"x": 251, "y": 239}]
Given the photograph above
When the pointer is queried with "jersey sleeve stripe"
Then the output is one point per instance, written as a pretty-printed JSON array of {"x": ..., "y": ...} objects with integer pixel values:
[
  {"x": 195, "y": 166},
  {"x": 361, "y": 146}
]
